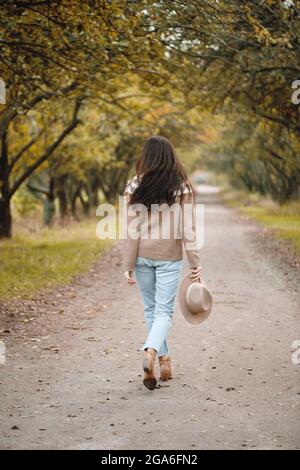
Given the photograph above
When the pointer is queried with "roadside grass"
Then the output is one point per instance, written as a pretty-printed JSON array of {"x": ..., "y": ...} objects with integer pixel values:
[
  {"x": 282, "y": 220},
  {"x": 47, "y": 258}
]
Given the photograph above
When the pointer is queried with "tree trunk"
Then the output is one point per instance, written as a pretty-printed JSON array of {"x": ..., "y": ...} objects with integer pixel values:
[
  {"x": 85, "y": 204},
  {"x": 5, "y": 218},
  {"x": 73, "y": 203},
  {"x": 49, "y": 204},
  {"x": 62, "y": 199},
  {"x": 5, "y": 212},
  {"x": 63, "y": 204},
  {"x": 95, "y": 195}
]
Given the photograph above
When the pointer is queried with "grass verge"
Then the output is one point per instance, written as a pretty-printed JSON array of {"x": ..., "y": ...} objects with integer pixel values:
[
  {"x": 30, "y": 262},
  {"x": 282, "y": 220}
]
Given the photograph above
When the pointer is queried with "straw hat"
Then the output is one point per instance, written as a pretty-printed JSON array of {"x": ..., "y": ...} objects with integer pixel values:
[{"x": 195, "y": 300}]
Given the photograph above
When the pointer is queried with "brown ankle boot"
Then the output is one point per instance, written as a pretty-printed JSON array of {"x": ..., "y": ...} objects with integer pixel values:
[
  {"x": 148, "y": 366},
  {"x": 165, "y": 367}
]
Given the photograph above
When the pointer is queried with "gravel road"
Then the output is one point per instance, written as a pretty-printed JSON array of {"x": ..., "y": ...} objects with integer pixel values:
[{"x": 73, "y": 379}]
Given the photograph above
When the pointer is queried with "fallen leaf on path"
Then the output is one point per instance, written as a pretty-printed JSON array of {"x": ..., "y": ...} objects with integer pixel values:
[{"x": 109, "y": 350}]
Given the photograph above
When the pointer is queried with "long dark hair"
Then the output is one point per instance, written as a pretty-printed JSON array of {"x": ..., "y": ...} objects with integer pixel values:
[{"x": 160, "y": 174}]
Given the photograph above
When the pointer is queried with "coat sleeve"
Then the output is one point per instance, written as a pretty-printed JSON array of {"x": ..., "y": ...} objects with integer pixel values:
[
  {"x": 131, "y": 234},
  {"x": 189, "y": 227}
]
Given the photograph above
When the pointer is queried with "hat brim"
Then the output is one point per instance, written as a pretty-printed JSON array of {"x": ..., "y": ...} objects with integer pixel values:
[{"x": 188, "y": 315}]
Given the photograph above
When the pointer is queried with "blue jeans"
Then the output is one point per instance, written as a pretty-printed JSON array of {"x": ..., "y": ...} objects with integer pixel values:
[{"x": 158, "y": 281}]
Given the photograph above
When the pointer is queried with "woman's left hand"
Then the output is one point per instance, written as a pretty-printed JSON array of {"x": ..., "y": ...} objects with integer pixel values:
[
  {"x": 196, "y": 274},
  {"x": 129, "y": 277}
]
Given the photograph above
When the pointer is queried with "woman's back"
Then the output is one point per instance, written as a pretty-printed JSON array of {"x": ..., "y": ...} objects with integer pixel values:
[{"x": 162, "y": 230}]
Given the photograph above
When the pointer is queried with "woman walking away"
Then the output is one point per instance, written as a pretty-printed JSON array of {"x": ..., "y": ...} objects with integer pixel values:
[{"x": 160, "y": 219}]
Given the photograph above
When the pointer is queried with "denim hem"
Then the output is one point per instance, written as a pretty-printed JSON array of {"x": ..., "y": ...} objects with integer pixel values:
[{"x": 159, "y": 353}]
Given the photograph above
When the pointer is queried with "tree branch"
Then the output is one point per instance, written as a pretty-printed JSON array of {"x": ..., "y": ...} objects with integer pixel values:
[
  {"x": 48, "y": 152},
  {"x": 24, "y": 149}
]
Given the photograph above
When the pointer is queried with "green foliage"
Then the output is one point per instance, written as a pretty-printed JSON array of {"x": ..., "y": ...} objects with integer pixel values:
[
  {"x": 24, "y": 202},
  {"x": 258, "y": 156},
  {"x": 239, "y": 59}
]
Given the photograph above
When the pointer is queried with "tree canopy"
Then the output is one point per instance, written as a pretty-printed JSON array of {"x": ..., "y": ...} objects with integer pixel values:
[{"x": 87, "y": 82}]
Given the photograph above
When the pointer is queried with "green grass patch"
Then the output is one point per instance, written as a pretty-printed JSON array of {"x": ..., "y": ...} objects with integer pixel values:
[
  {"x": 283, "y": 225},
  {"x": 33, "y": 261},
  {"x": 283, "y": 220}
]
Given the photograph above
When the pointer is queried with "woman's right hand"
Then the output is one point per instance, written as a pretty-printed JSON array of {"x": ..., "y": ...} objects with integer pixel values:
[
  {"x": 129, "y": 277},
  {"x": 196, "y": 274}
]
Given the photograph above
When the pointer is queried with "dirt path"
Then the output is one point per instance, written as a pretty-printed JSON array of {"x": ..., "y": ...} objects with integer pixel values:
[{"x": 72, "y": 376}]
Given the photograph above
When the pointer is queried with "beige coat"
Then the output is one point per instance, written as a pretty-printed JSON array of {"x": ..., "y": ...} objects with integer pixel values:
[{"x": 161, "y": 233}]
